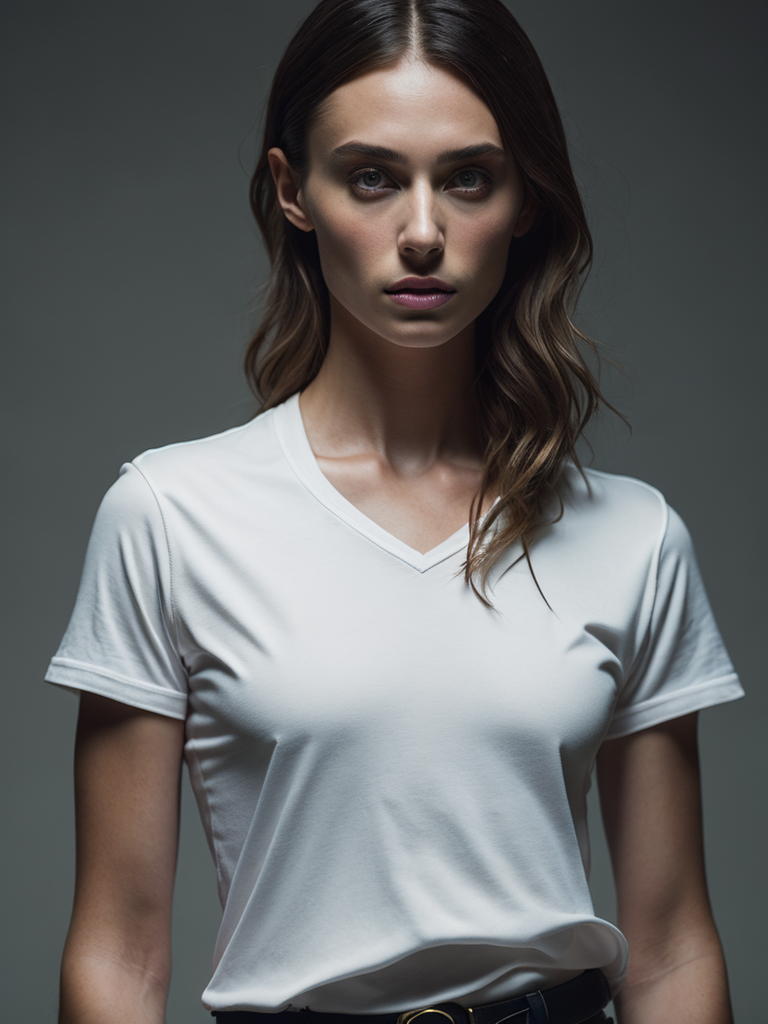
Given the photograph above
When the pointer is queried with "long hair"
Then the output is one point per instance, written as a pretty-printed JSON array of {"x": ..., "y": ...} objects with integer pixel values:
[{"x": 535, "y": 390}]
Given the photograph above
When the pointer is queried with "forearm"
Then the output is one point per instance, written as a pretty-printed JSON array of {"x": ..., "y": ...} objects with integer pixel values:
[
  {"x": 116, "y": 965},
  {"x": 694, "y": 992},
  {"x": 100, "y": 988}
]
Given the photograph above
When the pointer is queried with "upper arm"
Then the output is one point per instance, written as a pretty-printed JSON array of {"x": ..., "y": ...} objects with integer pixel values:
[
  {"x": 127, "y": 789},
  {"x": 651, "y": 805}
]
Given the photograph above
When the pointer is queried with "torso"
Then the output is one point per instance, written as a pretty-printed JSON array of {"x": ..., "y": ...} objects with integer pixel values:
[{"x": 391, "y": 775}]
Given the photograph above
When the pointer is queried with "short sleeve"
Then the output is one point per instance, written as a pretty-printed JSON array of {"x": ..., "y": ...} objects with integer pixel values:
[
  {"x": 681, "y": 664},
  {"x": 120, "y": 638}
]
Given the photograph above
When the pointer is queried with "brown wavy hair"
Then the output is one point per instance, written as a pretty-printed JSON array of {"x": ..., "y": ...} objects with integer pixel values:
[{"x": 535, "y": 390}]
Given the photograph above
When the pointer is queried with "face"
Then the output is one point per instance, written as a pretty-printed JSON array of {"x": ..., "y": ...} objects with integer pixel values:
[{"x": 421, "y": 209}]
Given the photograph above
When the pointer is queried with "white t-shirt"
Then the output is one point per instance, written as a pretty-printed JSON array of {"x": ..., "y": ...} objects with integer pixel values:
[{"x": 392, "y": 777}]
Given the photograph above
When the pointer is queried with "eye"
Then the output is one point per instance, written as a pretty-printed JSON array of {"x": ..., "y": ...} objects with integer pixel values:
[
  {"x": 362, "y": 179},
  {"x": 369, "y": 181},
  {"x": 483, "y": 181}
]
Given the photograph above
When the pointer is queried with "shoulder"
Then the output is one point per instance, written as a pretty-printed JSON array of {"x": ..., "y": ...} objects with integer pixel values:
[
  {"x": 184, "y": 475},
  {"x": 616, "y": 526},
  {"x": 613, "y": 528},
  {"x": 206, "y": 462},
  {"x": 615, "y": 509}
]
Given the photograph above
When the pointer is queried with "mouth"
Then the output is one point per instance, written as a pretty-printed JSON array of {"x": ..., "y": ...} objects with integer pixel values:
[
  {"x": 421, "y": 298},
  {"x": 420, "y": 292},
  {"x": 415, "y": 285}
]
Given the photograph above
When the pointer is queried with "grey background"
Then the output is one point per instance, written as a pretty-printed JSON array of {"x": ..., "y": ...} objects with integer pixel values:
[{"x": 130, "y": 267}]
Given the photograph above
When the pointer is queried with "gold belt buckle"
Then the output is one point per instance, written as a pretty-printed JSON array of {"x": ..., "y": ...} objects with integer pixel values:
[{"x": 408, "y": 1016}]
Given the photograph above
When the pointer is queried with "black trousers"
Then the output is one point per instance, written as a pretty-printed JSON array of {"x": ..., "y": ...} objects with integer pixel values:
[
  {"x": 245, "y": 1017},
  {"x": 578, "y": 1001}
]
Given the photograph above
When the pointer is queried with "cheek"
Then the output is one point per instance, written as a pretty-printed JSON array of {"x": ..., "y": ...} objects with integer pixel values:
[
  {"x": 351, "y": 249},
  {"x": 482, "y": 244}
]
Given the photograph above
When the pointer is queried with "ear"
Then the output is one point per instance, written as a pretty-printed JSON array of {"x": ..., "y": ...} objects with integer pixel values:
[
  {"x": 288, "y": 189},
  {"x": 527, "y": 214}
]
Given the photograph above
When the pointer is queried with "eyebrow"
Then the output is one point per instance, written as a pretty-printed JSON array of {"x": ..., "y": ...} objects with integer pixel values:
[{"x": 393, "y": 156}]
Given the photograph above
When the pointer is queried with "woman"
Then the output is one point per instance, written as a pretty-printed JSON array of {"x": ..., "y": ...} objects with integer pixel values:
[{"x": 390, "y": 623}]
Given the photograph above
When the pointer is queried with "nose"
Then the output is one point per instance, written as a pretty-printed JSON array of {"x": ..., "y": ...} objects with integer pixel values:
[{"x": 420, "y": 234}]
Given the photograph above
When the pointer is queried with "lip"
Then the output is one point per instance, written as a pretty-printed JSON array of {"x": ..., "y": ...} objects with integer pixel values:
[
  {"x": 421, "y": 299},
  {"x": 420, "y": 284},
  {"x": 420, "y": 292}
]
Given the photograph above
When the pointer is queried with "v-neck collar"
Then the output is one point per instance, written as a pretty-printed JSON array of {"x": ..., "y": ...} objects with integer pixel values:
[{"x": 293, "y": 439}]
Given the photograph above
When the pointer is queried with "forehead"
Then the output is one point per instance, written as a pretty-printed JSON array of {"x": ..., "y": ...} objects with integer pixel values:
[{"x": 412, "y": 107}]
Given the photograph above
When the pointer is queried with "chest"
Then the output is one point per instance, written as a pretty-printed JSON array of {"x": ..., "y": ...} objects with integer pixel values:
[
  {"x": 421, "y": 512},
  {"x": 345, "y": 645},
  {"x": 304, "y": 618}
]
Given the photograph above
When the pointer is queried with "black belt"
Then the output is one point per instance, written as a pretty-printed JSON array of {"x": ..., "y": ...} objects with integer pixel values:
[{"x": 578, "y": 1001}]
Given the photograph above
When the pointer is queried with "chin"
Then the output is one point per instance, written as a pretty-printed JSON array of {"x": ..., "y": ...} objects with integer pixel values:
[{"x": 421, "y": 339}]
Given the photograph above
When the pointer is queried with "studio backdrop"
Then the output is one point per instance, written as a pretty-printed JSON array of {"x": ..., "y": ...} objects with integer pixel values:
[{"x": 131, "y": 275}]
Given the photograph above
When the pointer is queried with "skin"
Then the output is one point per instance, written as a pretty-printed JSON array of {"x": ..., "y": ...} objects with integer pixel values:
[
  {"x": 391, "y": 421},
  {"x": 390, "y": 416},
  {"x": 650, "y": 798}
]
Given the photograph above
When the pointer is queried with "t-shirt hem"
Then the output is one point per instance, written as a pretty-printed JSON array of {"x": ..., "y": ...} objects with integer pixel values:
[
  {"x": 663, "y": 708},
  {"x": 76, "y": 676}
]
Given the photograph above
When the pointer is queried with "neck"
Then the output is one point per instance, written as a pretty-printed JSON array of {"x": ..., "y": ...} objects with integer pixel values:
[{"x": 410, "y": 404}]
